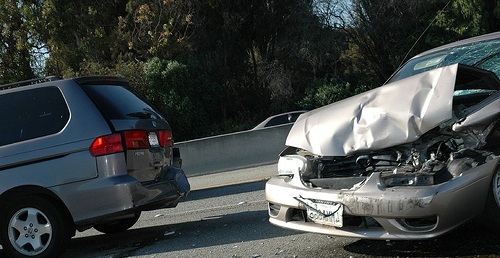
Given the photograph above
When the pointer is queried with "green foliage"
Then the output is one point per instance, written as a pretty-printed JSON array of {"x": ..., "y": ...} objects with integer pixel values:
[
  {"x": 157, "y": 28},
  {"x": 20, "y": 44},
  {"x": 219, "y": 66},
  {"x": 383, "y": 32},
  {"x": 466, "y": 18},
  {"x": 185, "y": 94},
  {"x": 321, "y": 93},
  {"x": 81, "y": 32}
]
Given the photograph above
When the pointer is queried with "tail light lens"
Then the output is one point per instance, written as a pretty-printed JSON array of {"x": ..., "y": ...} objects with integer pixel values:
[
  {"x": 106, "y": 145},
  {"x": 136, "y": 139},
  {"x": 165, "y": 138},
  {"x": 133, "y": 140}
]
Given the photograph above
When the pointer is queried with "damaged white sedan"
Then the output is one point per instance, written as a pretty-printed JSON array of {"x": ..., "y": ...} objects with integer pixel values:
[{"x": 412, "y": 159}]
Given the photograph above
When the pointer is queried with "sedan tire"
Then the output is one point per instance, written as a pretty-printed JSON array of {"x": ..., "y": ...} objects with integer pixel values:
[{"x": 492, "y": 211}]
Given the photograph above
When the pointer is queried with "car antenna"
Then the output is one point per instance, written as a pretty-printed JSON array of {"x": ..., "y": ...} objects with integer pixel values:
[{"x": 422, "y": 34}]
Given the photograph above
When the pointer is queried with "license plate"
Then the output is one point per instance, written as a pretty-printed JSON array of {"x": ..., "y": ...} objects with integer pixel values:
[
  {"x": 323, "y": 212},
  {"x": 153, "y": 140}
]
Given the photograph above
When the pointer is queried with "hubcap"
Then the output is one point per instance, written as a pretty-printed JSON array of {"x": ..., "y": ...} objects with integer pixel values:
[{"x": 30, "y": 231}]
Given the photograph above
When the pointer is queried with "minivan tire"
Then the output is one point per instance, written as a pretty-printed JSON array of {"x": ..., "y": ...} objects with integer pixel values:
[
  {"x": 117, "y": 226},
  {"x": 33, "y": 226}
]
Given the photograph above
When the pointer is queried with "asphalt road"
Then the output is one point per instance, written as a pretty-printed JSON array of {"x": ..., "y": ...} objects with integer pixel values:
[{"x": 226, "y": 216}]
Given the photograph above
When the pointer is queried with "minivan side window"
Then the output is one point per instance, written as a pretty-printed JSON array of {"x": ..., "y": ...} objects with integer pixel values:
[{"x": 31, "y": 114}]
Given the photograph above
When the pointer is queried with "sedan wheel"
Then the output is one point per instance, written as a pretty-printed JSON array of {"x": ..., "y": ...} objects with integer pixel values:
[
  {"x": 496, "y": 187},
  {"x": 491, "y": 216}
]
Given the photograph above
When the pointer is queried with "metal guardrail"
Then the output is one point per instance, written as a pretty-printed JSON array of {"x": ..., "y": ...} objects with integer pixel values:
[{"x": 233, "y": 151}]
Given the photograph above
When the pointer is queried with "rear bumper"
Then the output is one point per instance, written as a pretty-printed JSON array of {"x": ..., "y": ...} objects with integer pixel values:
[
  {"x": 164, "y": 193},
  {"x": 119, "y": 196},
  {"x": 375, "y": 212}
]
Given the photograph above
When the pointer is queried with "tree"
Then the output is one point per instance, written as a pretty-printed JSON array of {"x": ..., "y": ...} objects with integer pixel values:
[
  {"x": 467, "y": 18},
  {"x": 185, "y": 94},
  {"x": 221, "y": 65},
  {"x": 159, "y": 28},
  {"x": 21, "y": 46},
  {"x": 264, "y": 53},
  {"x": 94, "y": 38},
  {"x": 385, "y": 32}
]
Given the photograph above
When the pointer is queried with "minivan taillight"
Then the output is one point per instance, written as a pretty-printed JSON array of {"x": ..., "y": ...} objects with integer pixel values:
[
  {"x": 136, "y": 139},
  {"x": 107, "y": 144},
  {"x": 165, "y": 138}
]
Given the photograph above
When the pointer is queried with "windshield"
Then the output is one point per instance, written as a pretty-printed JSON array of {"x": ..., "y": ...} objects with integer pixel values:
[{"x": 484, "y": 55}]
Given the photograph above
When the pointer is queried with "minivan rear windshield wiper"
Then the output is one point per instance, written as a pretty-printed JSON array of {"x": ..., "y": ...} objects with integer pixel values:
[{"x": 141, "y": 115}]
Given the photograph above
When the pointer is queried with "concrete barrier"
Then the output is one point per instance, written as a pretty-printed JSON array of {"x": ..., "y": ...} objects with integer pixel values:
[{"x": 233, "y": 151}]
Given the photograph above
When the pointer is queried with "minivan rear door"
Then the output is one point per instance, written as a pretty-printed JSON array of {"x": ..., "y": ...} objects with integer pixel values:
[{"x": 146, "y": 135}]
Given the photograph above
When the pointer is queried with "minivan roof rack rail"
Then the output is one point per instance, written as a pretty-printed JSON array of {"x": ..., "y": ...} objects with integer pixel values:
[{"x": 30, "y": 82}]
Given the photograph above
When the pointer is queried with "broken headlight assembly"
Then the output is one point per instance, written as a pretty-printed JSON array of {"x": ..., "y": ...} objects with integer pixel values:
[
  {"x": 406, "y": 179},
  {"x": 291, "y": 165},
  {"x": 305, "y": 166}
]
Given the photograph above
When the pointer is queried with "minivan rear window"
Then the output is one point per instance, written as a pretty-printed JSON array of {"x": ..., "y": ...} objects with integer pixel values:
[
  {"x": 31, "y": 114},
  {"x": 119, "y": 102}
]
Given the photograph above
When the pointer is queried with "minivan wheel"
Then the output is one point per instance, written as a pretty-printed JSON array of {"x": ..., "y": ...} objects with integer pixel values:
[
  {"x": 492, "y": 211},
  {"x": 32, "y": 226},
  {"x": 118, "y": 226}
]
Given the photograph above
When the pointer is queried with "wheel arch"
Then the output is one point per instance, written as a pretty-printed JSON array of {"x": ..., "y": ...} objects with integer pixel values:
[{"x": 28, "y": 190}]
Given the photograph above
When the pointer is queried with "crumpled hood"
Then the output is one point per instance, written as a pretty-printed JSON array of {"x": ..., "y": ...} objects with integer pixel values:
[{"x": 390, "y": 115}]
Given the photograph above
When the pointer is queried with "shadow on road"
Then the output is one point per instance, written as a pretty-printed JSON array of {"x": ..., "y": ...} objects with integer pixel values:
[
  {"x": 212, "y": 231},
  {"x": 469, "y": 240}
]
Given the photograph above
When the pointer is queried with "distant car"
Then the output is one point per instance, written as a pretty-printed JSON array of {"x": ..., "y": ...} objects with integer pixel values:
[
  {"x": 280, "y": 119},
  {"x": 80, "y": 153},
  {"x": 412, "y": 159}
]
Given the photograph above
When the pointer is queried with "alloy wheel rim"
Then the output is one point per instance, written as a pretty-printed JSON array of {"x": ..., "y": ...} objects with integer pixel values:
[{"x": 30, "y": 231}]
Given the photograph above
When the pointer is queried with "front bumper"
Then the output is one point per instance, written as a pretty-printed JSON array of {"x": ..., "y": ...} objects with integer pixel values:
[{"x": 376, "y": 212}]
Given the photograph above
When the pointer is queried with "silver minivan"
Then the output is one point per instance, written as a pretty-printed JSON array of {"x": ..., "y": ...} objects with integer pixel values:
[{"x": 80, "y": 153}]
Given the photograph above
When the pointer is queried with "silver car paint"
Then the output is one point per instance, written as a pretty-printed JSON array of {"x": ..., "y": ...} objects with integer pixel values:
[
  {"x": 386, "y": 205},
  {"x": 393, "y": 114},
  {"x": 381, "y": 119},
  {"x": 91, "y": 188},
  {"x": 74, "y": 140},
  {"x": 482, "y": 116}
]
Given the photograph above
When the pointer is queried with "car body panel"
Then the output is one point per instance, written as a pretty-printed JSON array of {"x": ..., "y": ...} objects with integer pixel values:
[
  {"x": 393, "y": 114},
  {"x": 412, "y": 159},
  {"x": 71, "y": 143},
  {"x": 92, "y": 189},
  {"x": 145, "y": 164},
  {"x": 453, "y": 203},
  {"x": 117, "y": 193},
  {"x": 483, "y": 115}
]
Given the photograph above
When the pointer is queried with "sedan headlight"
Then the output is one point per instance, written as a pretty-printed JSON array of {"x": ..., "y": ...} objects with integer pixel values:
[{"x": 291, "y": 164}]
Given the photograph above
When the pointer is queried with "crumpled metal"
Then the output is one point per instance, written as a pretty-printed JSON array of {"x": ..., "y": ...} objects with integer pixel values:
[{"x": 393, "y": 114}]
